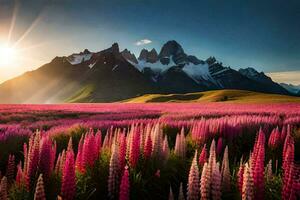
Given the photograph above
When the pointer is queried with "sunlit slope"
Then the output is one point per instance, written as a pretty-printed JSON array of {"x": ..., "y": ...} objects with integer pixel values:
[
  {"x": 238, "y": 96},
  {"x": 83, "y": 96}
]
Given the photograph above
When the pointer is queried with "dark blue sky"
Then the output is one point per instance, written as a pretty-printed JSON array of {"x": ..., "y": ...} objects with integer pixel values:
[{"x": 240, "y": 33}]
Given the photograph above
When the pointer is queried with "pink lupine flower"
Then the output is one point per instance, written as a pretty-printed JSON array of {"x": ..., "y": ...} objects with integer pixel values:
[
  {"x": 78, "y": 163},
  {"x": 148, "y": 147},
  {"x": 144, "y": 133},
  {"x": 125, "y": 186},
  {"x": 212, "y": 155},
  {"x": 288, "y": 143},
  {"x": 134, "y": 149},
  {"x": 122, "y": 151},
  {"x": 193, "y": 181},
  {"x": 58, "y": 167},
  {"x": 295, "y": 190},
  {"x": 203, "y": 156},
  {"x": 45, "y": 159},
  {"x": 225, "y": 171},
  {"x": 62, "y": 161},
  {"x": 219, "y": 146},
  {"x": 248, "y": 185},
  {"x": 180, "y": 145},
  {"x": 165, "y": 149},
  {"x": 95, "y": 149},
  {"x": 3, "y": 189},
  {"x": 171, "y": 196},
  {"x": 25, "y": 152},
  {"x": 288, "y": 168},
  {"x": 284, "y": 131},
  {"x": 108, "y": 139},
  {"x": 216, "y": 183},
  {"x": 88, "y": 150},
  {"x": 20, "y": 177},
  {"x": 257, "y": 164},
  {"x": 157, "y": 140},
  {"x": 205, "y": 183},
  {"x": 286, "y": 192},
  {"x": 98, "y": 142},
  {"x": 10, "y": 169},
  {"x": 33, "y": 158},
  {"x": 70, "y": 145},
  {"x": 114, "y": 170},
  {"x": 88, "y": 157},
  {"x": 39, "y": 189},
  {"x": 200, "y": 132},
  {"x": 68, "y": 186},
  {"x": 240, "y": 176},
  {"x": 274, "y": 139}
]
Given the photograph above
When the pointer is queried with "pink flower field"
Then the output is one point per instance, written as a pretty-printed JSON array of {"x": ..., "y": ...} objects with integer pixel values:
[{"x": 150, "y": 151}]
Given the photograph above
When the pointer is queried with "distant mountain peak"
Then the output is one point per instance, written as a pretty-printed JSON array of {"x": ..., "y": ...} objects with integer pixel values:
[
  {"x": 115, "y": 48},
  {"x": 129, "y": 56},
  {"x": 171, "y": 48},
  {"x": 211, "y": 60},
  {"x": 86, "y": 51},
  {"x": 148, "y": 56}
]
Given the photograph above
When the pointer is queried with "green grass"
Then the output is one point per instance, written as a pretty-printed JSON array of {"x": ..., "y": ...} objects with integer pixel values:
[
  {"x": 83, "y": 95},
  {"x": 233, "y": 96}
]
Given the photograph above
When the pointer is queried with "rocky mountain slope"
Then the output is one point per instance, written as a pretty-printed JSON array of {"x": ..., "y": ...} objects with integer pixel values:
[{"x": 114, "y": 75}]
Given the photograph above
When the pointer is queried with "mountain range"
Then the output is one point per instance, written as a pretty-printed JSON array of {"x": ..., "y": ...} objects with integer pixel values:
[{"x": 113, "y": 75}]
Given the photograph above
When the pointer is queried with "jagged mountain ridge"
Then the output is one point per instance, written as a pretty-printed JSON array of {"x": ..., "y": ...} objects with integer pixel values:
[
  {"x": 113, "y": 75},
  {"x": 295, "y": 89}
]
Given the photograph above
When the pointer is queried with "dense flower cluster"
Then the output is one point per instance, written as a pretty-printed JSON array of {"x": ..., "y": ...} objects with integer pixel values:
[{"x": 147, "y": 152}]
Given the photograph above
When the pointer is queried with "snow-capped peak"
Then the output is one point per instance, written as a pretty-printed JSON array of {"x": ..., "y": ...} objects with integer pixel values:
[
  {"x": 157, "y": 66},
  {"x": 198, "y": 72},
  {"x": 75, "y": 59}
]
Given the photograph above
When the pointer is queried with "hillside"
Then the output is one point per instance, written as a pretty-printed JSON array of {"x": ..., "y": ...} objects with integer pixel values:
[{"x": 234, "y": 96}]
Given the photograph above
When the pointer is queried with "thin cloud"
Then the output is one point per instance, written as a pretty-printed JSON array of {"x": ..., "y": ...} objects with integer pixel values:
[
  {"x": 143, "y": 42},
  {"x": 286, "y": 77}
]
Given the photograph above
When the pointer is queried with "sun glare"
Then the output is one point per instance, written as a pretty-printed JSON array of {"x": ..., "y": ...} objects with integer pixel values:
[{"x": 7, "y": 56}]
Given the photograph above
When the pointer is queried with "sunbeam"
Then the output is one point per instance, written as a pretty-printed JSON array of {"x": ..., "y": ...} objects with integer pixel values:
[
  {"x": 34, "y": 23},
  {"x": 13, "y": 21}
]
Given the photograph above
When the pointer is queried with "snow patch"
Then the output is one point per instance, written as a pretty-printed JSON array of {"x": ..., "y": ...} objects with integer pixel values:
[
  {"x": 92, "y": 65},
  {"x": 157, "y": 67},
  {"x": 79, "y": 58},
  {"x": 198, "y": 71},
  {"x": 114, "y": 67},
  {"x": 221, "y": 71}
]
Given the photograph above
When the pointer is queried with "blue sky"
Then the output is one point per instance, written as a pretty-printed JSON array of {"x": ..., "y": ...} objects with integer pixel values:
[{"x": 260, "y": 34}]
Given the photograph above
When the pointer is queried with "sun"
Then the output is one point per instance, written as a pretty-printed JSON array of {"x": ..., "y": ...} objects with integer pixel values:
[{"x": 7, "y": 56}]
